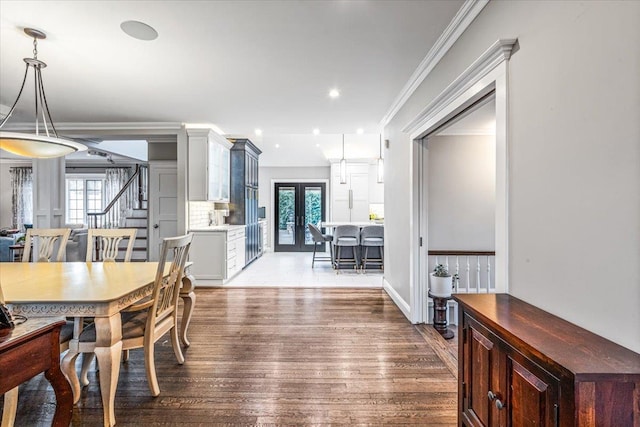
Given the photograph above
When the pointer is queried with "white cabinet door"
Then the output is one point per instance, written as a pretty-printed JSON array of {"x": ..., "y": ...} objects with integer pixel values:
[
  {"x": 214, "y": 153},
  {"x": 241, "y": 253},
  {"x": 225, "y": 172},
  {"x": 350, "y": 201},
  {"x": 209, "y": 255},
  {"x": 359, "y": 196},
  {"x": 208, "y": 165}
]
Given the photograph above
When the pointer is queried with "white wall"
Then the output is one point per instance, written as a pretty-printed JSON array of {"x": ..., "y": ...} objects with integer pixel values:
[
  {"x": 461, "y": 180},
  {"x": 574, "y": 159},
  {"x": 265, "y": 196}
]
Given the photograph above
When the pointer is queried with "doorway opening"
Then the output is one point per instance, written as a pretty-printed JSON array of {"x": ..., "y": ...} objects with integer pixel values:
[
  {"x": 457, "y": 198},
  {"x": 296, "y": 205}
]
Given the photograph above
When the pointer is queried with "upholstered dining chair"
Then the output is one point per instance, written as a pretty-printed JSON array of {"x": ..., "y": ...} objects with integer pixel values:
[
  {"x": 45, "y": 240},
  {"x": 320, "y": 239},
  {"x": 106, "y": 245},
  {"x": 346, "y": 236},
  {"x": 148, "y": 321},
  {"x": 372, "y": 236}
]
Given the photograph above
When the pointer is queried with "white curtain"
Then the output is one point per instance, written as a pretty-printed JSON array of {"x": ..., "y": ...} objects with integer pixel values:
[
  {"x": 115, "y": 179},
  {"x": 22, "y": 196}
]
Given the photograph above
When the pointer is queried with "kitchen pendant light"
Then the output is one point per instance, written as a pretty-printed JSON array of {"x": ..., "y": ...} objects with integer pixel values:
[
  {"x": 380, "y": 164},
  {"x": 40, "y": 146},
  {"x": 343, "y": 165}
]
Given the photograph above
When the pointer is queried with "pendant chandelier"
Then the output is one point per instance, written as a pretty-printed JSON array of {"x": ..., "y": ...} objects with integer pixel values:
[
  {"x": 380, "y": 164},
  {"x": 44, "y": 143},
  {"x": 343, "y": 165}
]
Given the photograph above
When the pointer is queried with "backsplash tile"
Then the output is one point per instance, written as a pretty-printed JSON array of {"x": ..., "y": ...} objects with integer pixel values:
[{"x": 199, "y": 214}]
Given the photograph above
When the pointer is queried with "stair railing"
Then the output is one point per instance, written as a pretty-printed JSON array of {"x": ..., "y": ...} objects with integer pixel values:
[
  {"x": 140, "y": 175},
  {"x": 473, "y": 270}
]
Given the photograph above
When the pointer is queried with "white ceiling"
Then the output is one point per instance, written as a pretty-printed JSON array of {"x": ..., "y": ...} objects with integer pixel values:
[
  {"x": 239, "y": 64},
  {"x": 305, "y": 150}
]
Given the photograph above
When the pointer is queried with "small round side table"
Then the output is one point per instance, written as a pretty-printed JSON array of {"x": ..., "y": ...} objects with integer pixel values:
[{"x": 440, "y": 316}]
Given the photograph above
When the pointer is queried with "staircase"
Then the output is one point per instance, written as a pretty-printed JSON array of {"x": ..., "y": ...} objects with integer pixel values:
[{"x": 138, "y": 219}]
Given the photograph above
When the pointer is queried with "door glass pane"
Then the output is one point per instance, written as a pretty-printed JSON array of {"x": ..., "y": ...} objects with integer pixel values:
[
  {"x": 312, "y": 210},
  {"x": 287, "y": 215}
]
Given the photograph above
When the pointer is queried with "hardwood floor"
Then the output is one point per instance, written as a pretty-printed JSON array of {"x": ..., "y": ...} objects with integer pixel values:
[{"x": 281, "y": 357}]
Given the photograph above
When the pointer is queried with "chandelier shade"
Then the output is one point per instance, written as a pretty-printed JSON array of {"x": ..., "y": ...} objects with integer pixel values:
[
  {"x": 380, "y": 164},
  {"x": 343, "y": 165},
  {"x": 38, "y": 145}
]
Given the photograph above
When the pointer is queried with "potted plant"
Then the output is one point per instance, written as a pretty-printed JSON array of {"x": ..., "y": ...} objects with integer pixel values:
[{"x": 441, "y": 282}]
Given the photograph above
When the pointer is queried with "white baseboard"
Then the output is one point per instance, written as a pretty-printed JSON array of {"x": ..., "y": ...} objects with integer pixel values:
[{"x": 397, "y": 299}]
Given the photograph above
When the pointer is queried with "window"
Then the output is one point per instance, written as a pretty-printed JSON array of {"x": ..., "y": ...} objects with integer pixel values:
[{"x": 84, "y": 194}]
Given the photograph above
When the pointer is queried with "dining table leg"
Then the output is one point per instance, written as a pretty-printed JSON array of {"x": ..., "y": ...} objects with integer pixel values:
[
  {"x": 108, "y": 352},
  {"x": 189, "y": 299}
]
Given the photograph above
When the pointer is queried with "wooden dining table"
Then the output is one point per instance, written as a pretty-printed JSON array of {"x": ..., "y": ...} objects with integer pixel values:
[{"x": 78, "y": 289}]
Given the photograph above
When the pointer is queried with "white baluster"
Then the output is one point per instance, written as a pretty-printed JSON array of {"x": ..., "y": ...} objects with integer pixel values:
[
  {"x": 488, "y": 273},
  {"x": 468, "y": 273},
  {"x": 457, "y": 272},
  {"x": 477, "y": 274}
]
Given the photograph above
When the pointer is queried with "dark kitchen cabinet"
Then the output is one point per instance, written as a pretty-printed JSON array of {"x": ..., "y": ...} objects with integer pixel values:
[
  {"x": 520, "y": 366},
  {"x": 243, "y": 207}
]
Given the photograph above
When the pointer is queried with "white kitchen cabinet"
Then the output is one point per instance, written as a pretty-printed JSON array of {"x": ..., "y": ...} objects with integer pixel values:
[
  {"x": 208, "y": 165},
  {"x": 218, "y": 254},
  {"x": 350, "y": 201}
]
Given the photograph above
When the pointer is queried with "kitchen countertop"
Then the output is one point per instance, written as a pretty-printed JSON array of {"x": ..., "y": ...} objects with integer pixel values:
[
  {"x": 356, "y": 223},
  {"x": 225, "y": 227}
]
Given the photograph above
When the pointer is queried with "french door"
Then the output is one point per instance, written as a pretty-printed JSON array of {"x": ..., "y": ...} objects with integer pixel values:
[{"x": 297, "y": 204}]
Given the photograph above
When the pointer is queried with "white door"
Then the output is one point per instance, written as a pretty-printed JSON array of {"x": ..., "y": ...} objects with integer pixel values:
[{"x": 163, "y": 204}]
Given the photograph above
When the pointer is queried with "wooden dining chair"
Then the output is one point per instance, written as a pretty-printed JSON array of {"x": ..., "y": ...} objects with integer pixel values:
[
  {"x": 107, "y": 243},
  {"x": 146, "y": 322},
  {"x": 45, "y": 241},
  {"x": 104, "y": 243}
]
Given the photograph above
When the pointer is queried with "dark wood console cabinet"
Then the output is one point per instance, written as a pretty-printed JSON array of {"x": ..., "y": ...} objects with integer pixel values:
[
  {"x": 243, "y": 209},
  {"x": 521, "y": 366}
]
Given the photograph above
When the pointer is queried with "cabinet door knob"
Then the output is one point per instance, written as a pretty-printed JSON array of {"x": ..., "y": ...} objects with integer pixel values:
[
  {"x": 499, "y": 404},
  {"x": 491, "y": 396}
]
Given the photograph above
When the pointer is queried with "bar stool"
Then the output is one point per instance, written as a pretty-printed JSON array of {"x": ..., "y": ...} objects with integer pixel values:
[
  {"x": 319, "y": 238},
  {"x": 372, "y": 236},
  {"x": 349, "y": 236}
]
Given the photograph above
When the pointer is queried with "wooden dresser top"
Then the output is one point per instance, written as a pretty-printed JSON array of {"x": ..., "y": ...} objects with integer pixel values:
[{"x": 550, "y": 338}]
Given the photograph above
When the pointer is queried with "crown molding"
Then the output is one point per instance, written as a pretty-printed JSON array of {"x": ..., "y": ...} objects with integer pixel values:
[
  {"x": 499, "y": 52},
  {"x": 17, "y": 162},
  {"x": 98, "y": 126},
  {"x": 463, "y": 18}
]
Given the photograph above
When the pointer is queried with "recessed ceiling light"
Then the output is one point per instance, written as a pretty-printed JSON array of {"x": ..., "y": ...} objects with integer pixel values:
[
  {"x": 334, "y": 93},
  {"x": 139, "y": 30},
  {"x": 258, "y": 132},
  {"x": 317, "y": 145},
  {"x": 277, "y": 145},
  {"x": 360, "y": 131},
  {"x": 316, "y": 131}
]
